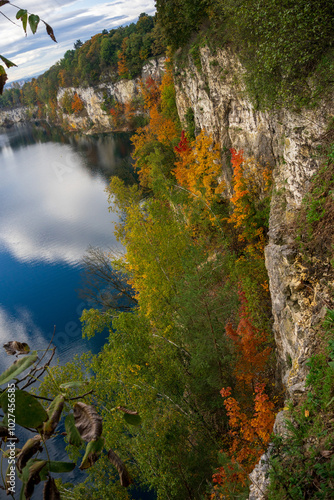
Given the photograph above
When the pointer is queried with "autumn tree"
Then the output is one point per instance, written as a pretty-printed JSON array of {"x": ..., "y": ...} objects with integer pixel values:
[
  {"x": 122, "y": 64},
  {"x": 250, "y": 201},
  {"x": 77, "y": 104}
]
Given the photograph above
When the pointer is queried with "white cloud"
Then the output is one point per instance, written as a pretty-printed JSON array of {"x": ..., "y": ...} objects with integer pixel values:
[
  {"x": 71, "y": 20},
  {"x": 57, "y": 223}
]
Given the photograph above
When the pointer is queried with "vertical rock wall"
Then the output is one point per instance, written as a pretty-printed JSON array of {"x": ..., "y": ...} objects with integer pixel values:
[{"x": 288, "y": 141}]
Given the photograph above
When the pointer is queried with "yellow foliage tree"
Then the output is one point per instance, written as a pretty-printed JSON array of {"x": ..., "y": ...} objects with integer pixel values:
[{"x": 198, "y": 167}]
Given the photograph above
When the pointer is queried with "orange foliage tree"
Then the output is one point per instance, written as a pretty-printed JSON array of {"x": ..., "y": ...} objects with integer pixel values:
[
  {"x": 251, "y": 191},
  {"x": 250, "y": 344},
  {"x": 198, "y": 167},
  {"x": 163, "y": 128},
  {"x": 123, "y": 70},
  {"x": 77, "y": 104},
  {"x": 151, "y": 92},
  {"x": 252, "y": 418}
]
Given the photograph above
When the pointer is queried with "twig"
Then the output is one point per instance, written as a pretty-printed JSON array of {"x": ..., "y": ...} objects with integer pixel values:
[
  {"x": 83, "y": 395},
  {"x": 8, "y": 19}
]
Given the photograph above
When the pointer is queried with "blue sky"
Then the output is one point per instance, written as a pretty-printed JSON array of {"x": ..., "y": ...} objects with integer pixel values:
[{"x": 70, "y": 19}]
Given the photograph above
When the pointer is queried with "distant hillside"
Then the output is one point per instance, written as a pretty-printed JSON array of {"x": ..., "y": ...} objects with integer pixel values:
[{"x": 108, "y": 56}]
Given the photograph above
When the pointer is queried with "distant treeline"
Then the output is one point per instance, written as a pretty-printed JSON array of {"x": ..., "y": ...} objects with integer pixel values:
[{"x": 110, "y": 55}]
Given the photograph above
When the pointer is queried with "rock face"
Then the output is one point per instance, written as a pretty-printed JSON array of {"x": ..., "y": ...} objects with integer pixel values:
[
  {"x": 288, "y": 141},
  {"x": 94, "y": 118},
  {"x": 15, "y": 116}
]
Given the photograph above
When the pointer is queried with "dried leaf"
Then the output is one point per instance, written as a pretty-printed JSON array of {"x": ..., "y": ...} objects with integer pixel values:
[
  {"x": 87, "y": 421},
  {"x": 326, "y": 453},
  {"x": 6, "y": 433},
  {"x": 120, "y": 466},
  {"x": 50, "y": 32},
  {"x": 15, "y": 347},
  {"x": 33, "y": 477},
  {"x": 50, "y": 491},
  {"x": 307, "y": 413},
  {"x": 3, "y": 2},
  {"x": 125, "y": 410},
  {"x": 29, "y": 449}
]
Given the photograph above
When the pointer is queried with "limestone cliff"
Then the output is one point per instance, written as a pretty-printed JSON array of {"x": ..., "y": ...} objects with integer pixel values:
[
  {"x": 288, "y": 141},
  {"x": 17, "y": 115},
  {"x": 94, "y": 118}
]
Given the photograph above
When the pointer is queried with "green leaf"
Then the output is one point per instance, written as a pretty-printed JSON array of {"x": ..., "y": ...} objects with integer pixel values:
[
  {"x": 92, "y": 454},
  {"x": 73, "y": 434},
  {"x": 19, "y": 366},
  {"x": 20, "y": 13},
  {"x": 60, "y": 466},
  {"x": 33, "y": 22},
  {"x": 331, "y": 364},
  {"x": 23, "y": 15},
  {"x": 54, "y": 412},
  {"x": 132, "y": 419},
  {"x": 28, "y": 411},
  {"x": 3, "y": 78},
  {"x": 9, "y": 64},
  {"x": 70, "y": 385}
]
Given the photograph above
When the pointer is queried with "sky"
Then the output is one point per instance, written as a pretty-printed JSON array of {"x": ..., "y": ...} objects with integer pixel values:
[{"x": 70, "y": 19}]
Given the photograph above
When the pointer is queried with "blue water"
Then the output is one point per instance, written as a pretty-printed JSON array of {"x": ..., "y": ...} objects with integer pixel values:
[{"x": 53, "y": 206}]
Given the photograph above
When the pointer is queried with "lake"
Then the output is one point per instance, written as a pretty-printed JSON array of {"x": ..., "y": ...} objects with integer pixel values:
[{"x": 53, "y": 206}]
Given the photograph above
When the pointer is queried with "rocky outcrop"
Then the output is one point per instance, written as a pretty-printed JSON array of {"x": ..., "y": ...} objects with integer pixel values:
[
  {"x": 16, "y": 115},
  {"x": 94, "y": 118},
  {"x": 288, "y": 141}
]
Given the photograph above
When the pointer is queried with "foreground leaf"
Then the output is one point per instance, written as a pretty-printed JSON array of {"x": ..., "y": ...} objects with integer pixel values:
[
  {"x": 29, "y": 449},
  {"x": 33, "y": 477},
  {"x": 54, "y": 412},
  {"x": 50, "y": 32},
  {"x": 120, "y": 466},
  {"x": 73, "y": 434},
  {"x": 28, "y": 411},
  {"x": 9, "y": 64},
  {"x": 87, "y": 421},
  {"x": 22, "y": 364},
  {"x": 73, "y": 384},
  {"x": 50, "y": 490},
  {"x": 3, "y": 78},
  {"x": 33, "y": 22},
  {"x": 132, "y": 419},
  {"x": 23, "y": 15},
  {"x": 92, "y": 454}
]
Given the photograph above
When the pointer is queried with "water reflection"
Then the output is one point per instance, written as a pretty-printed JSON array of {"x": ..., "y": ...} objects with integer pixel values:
[
  {"x": 53, "y": 206},
  {"x": 52, "y": 196}
]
